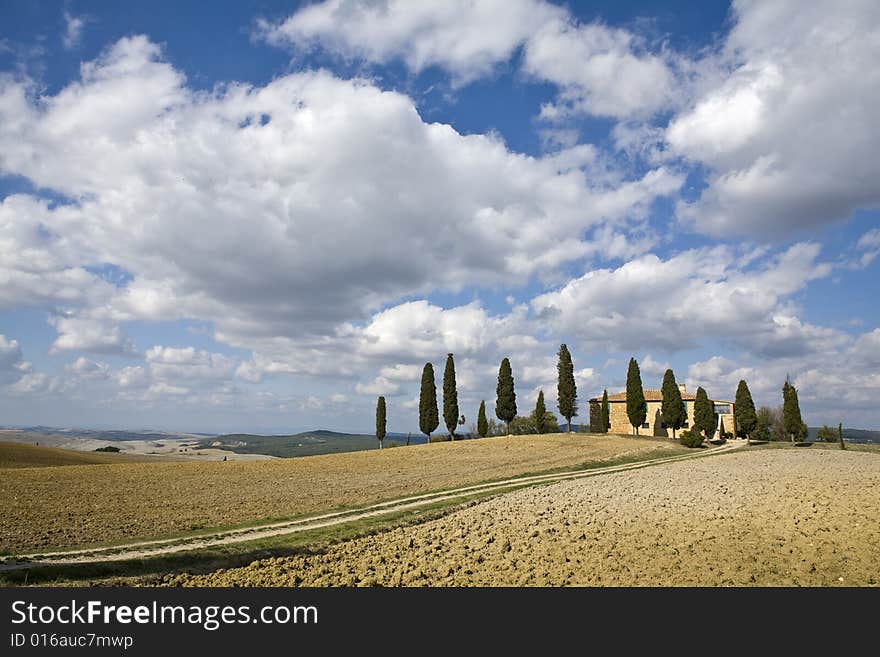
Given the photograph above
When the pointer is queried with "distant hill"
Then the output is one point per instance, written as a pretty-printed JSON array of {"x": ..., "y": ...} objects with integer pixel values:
[
  {"x": 111, "y": 434},
  {"x": 307, "y": 443},
  {"x": 23, "y": 455},
  {"x": 851, "y": 435}
]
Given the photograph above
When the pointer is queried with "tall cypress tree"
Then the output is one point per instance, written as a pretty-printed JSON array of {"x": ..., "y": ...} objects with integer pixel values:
[
  {"x": 636, "y": 408},
  {"x": 840, "y": 435},
  {"x": 704, "y": 414},
  {"x": 745, "y": 418},
  {"x": 450, "y": 397},
  {"x": 671, "y": 408},
  {"x": 605, "y": 413},
  {"x": 380, "y": 421},
  {"x": 791, "y": 412},
  {"x": 721, "y": 429},
  {"x": 505, "y": 400},
  {"x": 482, "y": 422},
  {"x": 566, "y": 388},
  {"x": 428, "y": 418},
  {"x": 540, "y": 413}
]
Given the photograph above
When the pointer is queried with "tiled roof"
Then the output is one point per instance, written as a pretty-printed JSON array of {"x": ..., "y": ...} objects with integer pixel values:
[{"x": 651, "y": 395}]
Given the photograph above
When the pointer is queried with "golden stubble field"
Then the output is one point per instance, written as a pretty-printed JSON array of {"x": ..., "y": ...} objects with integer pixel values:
[
  {"x": 765, "y": 517},
  {"x": 47, "y": 508}
]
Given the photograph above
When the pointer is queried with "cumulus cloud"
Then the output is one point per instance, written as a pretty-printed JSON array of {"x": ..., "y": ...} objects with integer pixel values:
[
  {"x": 166, "y": 179},
  {"x": 12, "y": 364},
  {"x": 599, "y": 70},
  {"x": 467, "y": 38},
  {"x": 786, "y": 119},
  {"x": 85, "y": 334},
  {"x": 86, "y": 368},
  {"x": 673, "y": 304}
]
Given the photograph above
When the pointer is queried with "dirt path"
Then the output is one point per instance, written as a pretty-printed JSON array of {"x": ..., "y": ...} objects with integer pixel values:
[{"x": 148, "y": 549}]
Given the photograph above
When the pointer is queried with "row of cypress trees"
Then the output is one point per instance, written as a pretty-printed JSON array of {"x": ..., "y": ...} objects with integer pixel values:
[
  {"x": 672, "y": 410},
  {"x": 505, "y": 399}
]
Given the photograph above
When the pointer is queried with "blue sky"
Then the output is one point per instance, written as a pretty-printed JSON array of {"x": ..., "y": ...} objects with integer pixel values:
[{"x": 262, "y": 216}]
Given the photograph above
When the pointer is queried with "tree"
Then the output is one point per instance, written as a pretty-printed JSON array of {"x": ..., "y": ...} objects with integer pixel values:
[
  {"x": 540, "y": 413},
  {"x": 636, "y": 408},
  {"x": 505, "y": 401},
  {"x": 380, "y": 420},
  {"x": 605, "y": 413},
  {"x": 566, "y": 389},
  {"x": 528, "y": 424},
  {"x": 827, "y": 434},
  {"x": 744, "y": 416},
  {"x": 721, "y": 431},
  {"x": 704, "y": 414},
  {"x": 763, "y": 424},
  {"x": 672, "y": 407},
  {"x": 840, "y": 435},
  {"x": 450, "y": 397},
  {"x": 482, "y": 423},
  {"x": 428, "y": 418},
  {"x": 791, "y": 412}
]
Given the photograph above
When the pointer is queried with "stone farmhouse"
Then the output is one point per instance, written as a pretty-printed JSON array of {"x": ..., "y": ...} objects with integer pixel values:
[{"x": 653, "y": 425}]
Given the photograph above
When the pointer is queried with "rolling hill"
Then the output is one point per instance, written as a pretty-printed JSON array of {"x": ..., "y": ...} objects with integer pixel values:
[
  {"x": 307, "y": 443},
  {"x": 23, "y": 455}
]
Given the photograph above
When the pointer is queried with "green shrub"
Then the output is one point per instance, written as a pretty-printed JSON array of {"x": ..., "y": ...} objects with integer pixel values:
[
  {"x": 391, "y": 443},
  {"x": 441, "y": 438},
  {"x": 108, "y": 448},
  {"x": 827, "y": 434},
  {"x": 691, "y": 438}
]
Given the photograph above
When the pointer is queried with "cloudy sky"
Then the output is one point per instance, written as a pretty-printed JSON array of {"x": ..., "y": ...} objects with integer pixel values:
[{"x": 262, "y": 215}]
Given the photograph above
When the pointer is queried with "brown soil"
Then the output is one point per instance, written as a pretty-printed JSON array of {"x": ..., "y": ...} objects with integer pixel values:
[
  {"x": 43, "y": 508},
  {"x": 762, "y": 517},
  {"x": 20, "y": 455}
]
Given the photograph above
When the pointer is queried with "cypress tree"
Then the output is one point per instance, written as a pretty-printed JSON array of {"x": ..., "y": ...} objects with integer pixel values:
[
  {"x": 505, "y": 401},
  {"x": 704, "y": 414},
  {"x": 540, "y": 413},
  {"x": 605, "y": 413},
  {"x": 566, "y": 388},
  {"x": 721, "y": 429},
  {"x": 450, "y": 397},
  {"x": 840, "y": 435},
  {"x": 636, "y": 408},
  {"x": 744, "y": 414},
  {"x": 380, "y": 421},
  {"x": 671, "y": 409},
  {"x": 482, "y": 422},
  {"x": 791, "y": 412},
  {"x": 428, "y": 418}
]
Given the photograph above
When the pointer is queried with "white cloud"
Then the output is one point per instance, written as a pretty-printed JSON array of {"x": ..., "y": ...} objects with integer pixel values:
[
  {"x": 467, "y": 38},
  {"x": 187, "y": 364},
  {"x": 83, "y": 334},
  {"x": 132, "y": 376},
  {"x": 12, "y": 364},
  {"x": 73, "y": 28},
  {"x": 786, "y": 119},
  {"x": 673, "y": 304},
  {"x": 165, "y": 179},
  {"x": 85, "y": 368},
  {"x": 31, "y": 383},
  {"x": 599, "y": 70}
]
